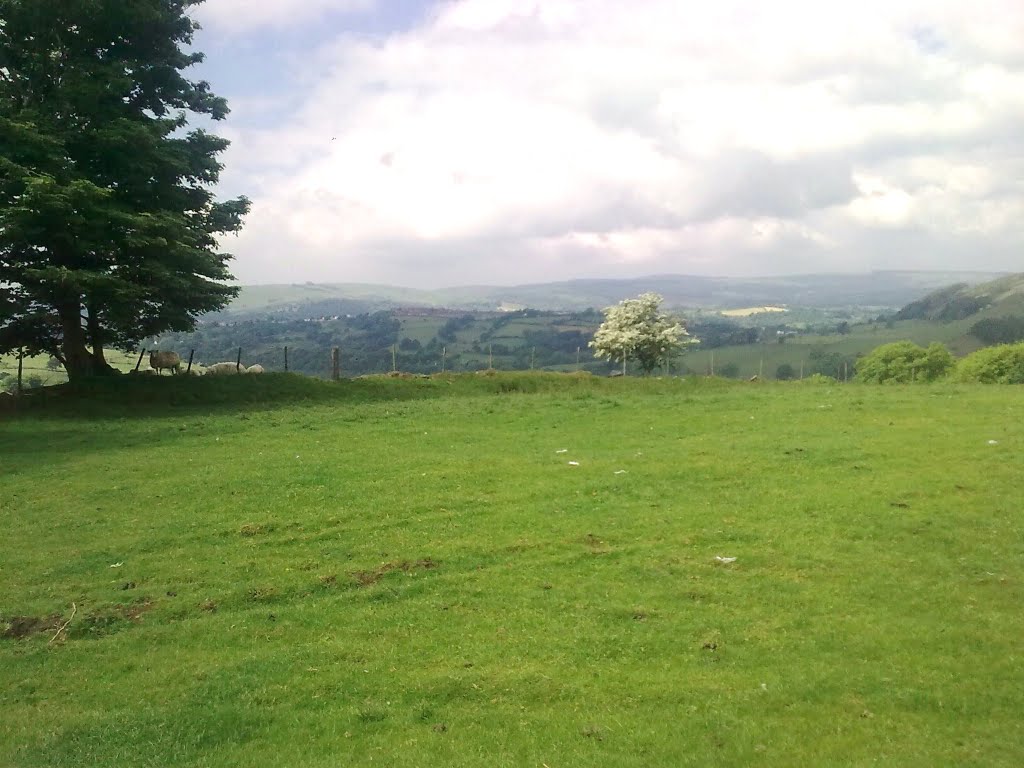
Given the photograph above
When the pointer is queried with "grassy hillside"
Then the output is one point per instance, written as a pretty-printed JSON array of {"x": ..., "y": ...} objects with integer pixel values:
[
  {"x": 511, "y": 570},
  {"x": 826, "y": 353},
  {"x": 997, "y": 298},
  {"x": 876, "y": 289}
]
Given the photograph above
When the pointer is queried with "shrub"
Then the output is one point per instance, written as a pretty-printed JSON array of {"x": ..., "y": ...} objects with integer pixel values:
[
  {"x": 728, "y": 371},
  {"x": 999, "y": 330},
  {"x": 785, "y": 372},
  {"x": 905, "y": 361},
  {"x": 1003, "y": 364}
]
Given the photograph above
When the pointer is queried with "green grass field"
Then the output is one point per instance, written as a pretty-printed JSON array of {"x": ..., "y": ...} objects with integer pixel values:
[
  {"x": 276, "y": 571},
  {"x": 796, "y": 350},
  {"x": 36, "y": 366}
]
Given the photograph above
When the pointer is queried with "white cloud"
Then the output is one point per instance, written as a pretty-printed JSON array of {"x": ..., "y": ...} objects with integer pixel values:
[
  {"x": 516, "y": 140},
  {"x": 238, "y": 16}
]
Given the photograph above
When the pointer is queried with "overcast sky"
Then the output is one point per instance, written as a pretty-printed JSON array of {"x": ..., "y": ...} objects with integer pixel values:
[{"x": 426, "y": 143}]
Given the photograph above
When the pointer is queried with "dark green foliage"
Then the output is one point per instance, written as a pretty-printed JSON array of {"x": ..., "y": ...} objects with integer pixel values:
[
  {"x": 904, "y": 362},
  {"x": 835, "y": 365},
  {"x": 999, "y": 330},
  {"x": 108, "y": 226},
  {"x": 453, "y": 326},
  {"x": 945, "y": 305},
  {"x": 718, "y": 332},
  {"x": 1003, "y": 364},
  {"x": 785, "y": 372},
  {"x": 728, "y": 370}
]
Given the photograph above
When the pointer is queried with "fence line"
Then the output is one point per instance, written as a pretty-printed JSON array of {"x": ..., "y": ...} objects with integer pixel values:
[{"x": 386, "y": 360}]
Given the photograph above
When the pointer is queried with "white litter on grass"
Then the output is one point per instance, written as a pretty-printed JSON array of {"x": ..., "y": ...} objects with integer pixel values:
[
  {"x": 721, "y": 559},
  {"x": 993, "y": 442},
  {"x": 563, "y": 450},
  {"x": 620, "y": 471},
  {"x": 574, "y": 463},
  {"x": 117, "y": 565}
]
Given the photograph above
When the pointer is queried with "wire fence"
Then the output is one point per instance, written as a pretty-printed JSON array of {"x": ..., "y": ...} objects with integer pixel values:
[{"x": 19, "y": 374}]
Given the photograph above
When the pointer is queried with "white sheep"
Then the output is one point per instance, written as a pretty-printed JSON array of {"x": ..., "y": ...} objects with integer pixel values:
[
  {"x": 170, "y": 360},
  {"x": 218, "y": 369},
  {"x": 254, "y": 368}
]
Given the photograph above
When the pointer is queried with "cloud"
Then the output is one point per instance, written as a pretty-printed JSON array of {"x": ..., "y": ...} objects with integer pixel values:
[
  {"x": 526, "y": 141},
  {"x": 238, "y": 16}
]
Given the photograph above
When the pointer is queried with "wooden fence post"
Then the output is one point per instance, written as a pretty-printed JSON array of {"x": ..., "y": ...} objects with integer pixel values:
[
  {"x": 141, "y": 354},
  {"x": 335, "y": 363},
  {"x": 286, "y": 359},
  {"x": 238, "y": 362},
  {"x": 394, "y": 358},
  {"x": 191, "y": 355},
  {"x": 21, "y": 361}
]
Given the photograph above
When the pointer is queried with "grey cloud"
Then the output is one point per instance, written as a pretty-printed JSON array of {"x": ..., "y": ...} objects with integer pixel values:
[{"x": 750, "y": 184}]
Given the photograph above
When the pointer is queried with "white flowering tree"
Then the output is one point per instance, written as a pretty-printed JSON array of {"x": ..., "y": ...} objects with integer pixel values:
[{"x": 637, "y": 329}]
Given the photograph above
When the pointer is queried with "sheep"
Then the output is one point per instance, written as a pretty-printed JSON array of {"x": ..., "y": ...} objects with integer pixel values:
[
  {"x": 254, "y": 368},
  {"x": 159, "y": 360},
  {"x": 224, "y": 368}
]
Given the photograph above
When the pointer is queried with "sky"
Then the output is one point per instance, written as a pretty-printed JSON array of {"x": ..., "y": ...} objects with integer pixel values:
[{"x": 456, "y": 142}]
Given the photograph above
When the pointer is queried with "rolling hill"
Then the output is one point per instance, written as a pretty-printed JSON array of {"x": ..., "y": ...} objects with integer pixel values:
[
  {"x": 883, "y": 289},
  {"x": 997, "y": 298}
]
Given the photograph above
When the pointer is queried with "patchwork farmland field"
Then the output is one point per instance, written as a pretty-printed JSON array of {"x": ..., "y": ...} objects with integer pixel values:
[{"x": 512, "y": 570}]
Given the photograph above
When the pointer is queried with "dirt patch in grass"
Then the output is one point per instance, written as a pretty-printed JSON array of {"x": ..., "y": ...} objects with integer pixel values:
[
  {"x": 255, "y": 529},
  {"x": 102, "y": 621},
  {"x": 106, "y": 621},
  {"x": 20, "y": 627},
  {"x": 367, "y": 578}
]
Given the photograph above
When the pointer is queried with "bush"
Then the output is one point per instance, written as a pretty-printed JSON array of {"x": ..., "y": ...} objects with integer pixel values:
[
  {"x": 903, "y": 362},
  {"x": 1003, "y": 364},
  {"x": 999, "y": 330},
  {"x": 785, "y": 372},
  {"x": 728, "y": 371}
]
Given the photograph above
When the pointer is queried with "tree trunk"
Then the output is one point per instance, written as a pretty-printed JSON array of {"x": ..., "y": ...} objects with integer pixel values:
[
  {"x": 77, "y": 360},
  {"x": 100, "y": 365}
]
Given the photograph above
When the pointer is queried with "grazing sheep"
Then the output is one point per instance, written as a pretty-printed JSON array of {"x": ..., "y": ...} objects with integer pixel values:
[
  {"x": 159, "y": 360},
  {"x": 218, "y": 369},
  {"x": 254, "y": 368}
]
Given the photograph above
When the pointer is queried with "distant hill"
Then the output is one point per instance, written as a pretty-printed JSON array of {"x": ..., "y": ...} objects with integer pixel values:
[
  {"x": 997, "y": 298},
  {"x": 888, "y": 290}
]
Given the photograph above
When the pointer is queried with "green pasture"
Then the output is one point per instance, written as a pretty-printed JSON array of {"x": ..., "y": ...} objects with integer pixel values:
[
  {"x": 37, "y": 366},
  {"x": 797, "y": 350},
  {"x": 511, "y": 570}
]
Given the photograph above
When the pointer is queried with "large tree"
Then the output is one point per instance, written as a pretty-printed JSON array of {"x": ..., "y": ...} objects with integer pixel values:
[
  {"x": 108, "y": 223},
  {"x": 637, "y": 329}
]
